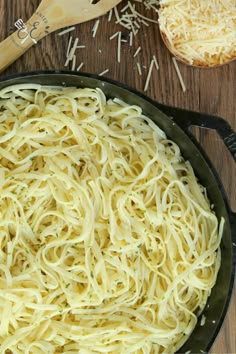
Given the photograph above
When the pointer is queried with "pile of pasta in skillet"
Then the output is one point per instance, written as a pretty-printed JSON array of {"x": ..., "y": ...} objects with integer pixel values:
[{"x": 108, "y": 242}]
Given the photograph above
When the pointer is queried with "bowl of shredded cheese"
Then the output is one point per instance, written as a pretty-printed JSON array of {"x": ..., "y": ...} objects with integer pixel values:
[
  {"x": 199, "y": 33},
  {"x": 109, "y": 241}
]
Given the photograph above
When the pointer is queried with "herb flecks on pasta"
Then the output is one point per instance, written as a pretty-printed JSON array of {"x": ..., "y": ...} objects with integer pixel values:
[{"x": 108, "y": 242}]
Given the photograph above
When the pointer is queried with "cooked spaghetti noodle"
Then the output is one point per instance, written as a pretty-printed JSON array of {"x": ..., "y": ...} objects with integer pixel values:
[{"x": 108, "y": 242}]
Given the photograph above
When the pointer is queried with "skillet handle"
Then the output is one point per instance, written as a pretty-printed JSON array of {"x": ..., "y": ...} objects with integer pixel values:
[{"x": 186, "y": 119}]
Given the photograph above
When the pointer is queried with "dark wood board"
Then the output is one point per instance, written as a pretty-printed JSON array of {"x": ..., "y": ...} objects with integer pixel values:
[{"x": 207, "y": 90}]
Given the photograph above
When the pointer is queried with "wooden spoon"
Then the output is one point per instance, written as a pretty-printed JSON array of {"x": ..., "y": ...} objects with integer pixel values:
[{"x": 50, "y": 16}]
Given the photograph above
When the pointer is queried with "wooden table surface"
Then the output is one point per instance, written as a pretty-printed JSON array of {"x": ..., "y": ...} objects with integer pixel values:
[{"x": 207, "y": 90}]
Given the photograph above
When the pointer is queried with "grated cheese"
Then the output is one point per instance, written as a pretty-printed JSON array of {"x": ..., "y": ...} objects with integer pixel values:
[
  {"x": 155, "y": 62},
  {"x": 73, "y": 49},
  {"x": 149, "y": 75},
  {"x": 110, "y": 15},
  {"x": 130, "y": 18},
  {"x": 179, "y": 74},
  {"x": 139, "y": 69},
  {"x": 119, "y": 47},
  {"x": 80, "y": 66},
  {"x": 104, "y": 72},
  {"x": 137, "y": 52},
  {"x": 67, "y": 61},
  {"x": 131, "y": 39},
  {"x": 73, "y": 62},
  {"x": 124, "y": 8},
  {"x": 68, "y": 47},
  {"x": 66, "y": 31},
  {"x": 114, "y": 35},
  {"x": 95, "y": 28},
  {"x": 116, "y": 14},
  {"x": 199, "y": 32}
]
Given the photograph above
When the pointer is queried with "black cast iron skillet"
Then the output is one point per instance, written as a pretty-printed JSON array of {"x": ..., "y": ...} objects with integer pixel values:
[{"x": 176, "y": 123}]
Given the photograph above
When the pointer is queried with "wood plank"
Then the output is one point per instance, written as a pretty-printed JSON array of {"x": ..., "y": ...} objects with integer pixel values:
[{"x": 208, "y": 90}]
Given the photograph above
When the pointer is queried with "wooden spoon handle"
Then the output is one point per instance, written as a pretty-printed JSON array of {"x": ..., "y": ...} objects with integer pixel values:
[
  {"x": 26, "y": 36},
  {"x": 49, "y": 16}
]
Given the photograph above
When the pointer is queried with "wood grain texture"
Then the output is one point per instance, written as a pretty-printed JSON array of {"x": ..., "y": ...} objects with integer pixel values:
[{"x": 208, "y": 90}]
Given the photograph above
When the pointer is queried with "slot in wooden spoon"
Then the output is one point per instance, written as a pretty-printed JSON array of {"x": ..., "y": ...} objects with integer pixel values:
[{"x": 50, "y": 16}]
